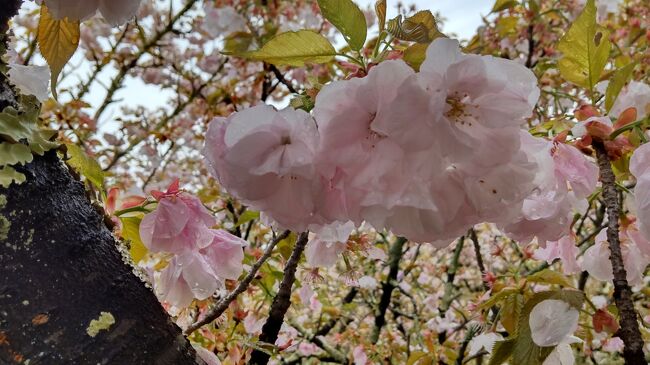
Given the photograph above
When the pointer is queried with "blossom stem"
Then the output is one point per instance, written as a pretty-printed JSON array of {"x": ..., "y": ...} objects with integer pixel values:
[
  {"x": 629, "y": 331},
  {"x": 281, "y": 302},
  {"x": 223, "y": 304}
]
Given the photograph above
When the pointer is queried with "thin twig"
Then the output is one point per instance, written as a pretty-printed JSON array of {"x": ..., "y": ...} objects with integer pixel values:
[{"x": 223, "y": 304}]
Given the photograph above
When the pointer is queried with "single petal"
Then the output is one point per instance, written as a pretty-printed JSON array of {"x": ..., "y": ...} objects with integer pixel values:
[{"x": 552, "y": 321}]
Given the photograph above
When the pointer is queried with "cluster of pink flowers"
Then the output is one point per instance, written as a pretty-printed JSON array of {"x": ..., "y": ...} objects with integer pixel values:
[
  {"x": 424, "y": 154},
  {"x": 203, "y": 257},
  {"x": 115, "y": 12}
]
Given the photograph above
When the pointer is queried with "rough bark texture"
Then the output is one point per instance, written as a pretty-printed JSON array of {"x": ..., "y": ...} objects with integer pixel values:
[
  {"x": 281, "y": 302},
  {"x": 629, "y": 331},
  {"x": 394, "y": 256},
  {"x": 60, "y": 268}
]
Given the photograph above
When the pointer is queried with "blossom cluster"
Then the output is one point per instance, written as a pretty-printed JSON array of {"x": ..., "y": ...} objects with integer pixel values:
[
  {"x": 424, "y": 154},
  {"x": 203, "y": 257}
]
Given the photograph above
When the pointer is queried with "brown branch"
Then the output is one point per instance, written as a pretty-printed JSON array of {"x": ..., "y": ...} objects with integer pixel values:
[
  {"x": 479, "y": 257},
  {"x": 223, "y": 304},
  {"x": 281, "y": 302},
  {"x": 629, "y": 331},
  {"x": 282, "y": 80},
  {"x": 394, "y": 256}
]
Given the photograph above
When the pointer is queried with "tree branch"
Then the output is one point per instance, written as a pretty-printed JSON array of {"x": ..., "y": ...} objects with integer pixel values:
[
  {"x": 629, "y": 331},
  {"x": 223, "y": 304},
  {"x": 281, "y": 302},
  {"x": 394, "y": 256}
]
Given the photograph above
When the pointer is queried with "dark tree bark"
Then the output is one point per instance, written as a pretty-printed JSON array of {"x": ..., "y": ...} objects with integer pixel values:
[
  {"x": 629, "y": 331},
  {"x": 60, "y": 267}
]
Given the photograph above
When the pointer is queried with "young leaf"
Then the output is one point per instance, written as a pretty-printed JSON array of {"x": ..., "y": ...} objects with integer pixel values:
[
  {"x": 294, "y": 49},
  {"x": 58, "y": 40},
  {"x": 503, "y": 5},
  {"x": 421, "y": 27},
  {"x": 548, "y": 276},
  {"x": 616, "y": 83},
  {"x": 380, "y": 10},
  {"x": 502, "y": 351},
  {"x": 585, "y": 48},
  {"x": 415, "y": 54},
  {"x": 131, "y": 233},
  {"x": 237, "y": 42},
  {"x": 248, "y": 216},
  {"x": 85, "y": 165},
  {"x": 346, "y": 16}
]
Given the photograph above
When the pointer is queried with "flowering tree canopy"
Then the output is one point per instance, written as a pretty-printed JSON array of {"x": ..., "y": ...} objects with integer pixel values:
[{"x": 313, "y": 181}]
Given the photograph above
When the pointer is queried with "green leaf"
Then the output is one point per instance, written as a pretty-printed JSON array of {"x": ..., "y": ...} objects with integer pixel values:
[
  {"x": 9, "y": 175},
  {"x": 248, "y": 216},
  {"x": 85, "y": 165},
  {"x": 616, "y": 83},
  {"x": 294, "y": 49},
  {"x": 131, "y": 233},
  {"x": 525, "y": 351},
  {"x": 415, "y": 54},
  {"x": 511, "y": 311},
  {"x": 500, "y": 5},
  {"x": 496, "y": 298},
  {"x": 58, "y": 40},
  {"x": 15, "y": 153},
  {"x": 421, "y": 27},
  {"x": 585, "y": 48},
  {"x": 346, "y": 16},
  {"x": 419, "y": 357},
  {"x": 237, "y": 42},
  {"x": 548, "y": 276},
  {"x": 502, "y": 351}
]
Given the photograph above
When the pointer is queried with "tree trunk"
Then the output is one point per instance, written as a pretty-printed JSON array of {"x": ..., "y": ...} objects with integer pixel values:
[{"x": 60, "y": 268}]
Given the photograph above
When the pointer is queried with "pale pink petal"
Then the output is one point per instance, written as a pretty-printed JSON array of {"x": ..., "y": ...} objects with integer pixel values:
[{"x": 552, "y": 321}]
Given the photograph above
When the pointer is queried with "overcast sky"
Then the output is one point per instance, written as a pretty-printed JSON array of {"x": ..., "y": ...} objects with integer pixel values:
[{"x": 463, "y": 16}]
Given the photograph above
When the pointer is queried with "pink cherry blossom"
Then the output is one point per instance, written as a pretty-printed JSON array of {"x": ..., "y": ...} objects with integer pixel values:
[
  {"x": 265, "y": 158},
  {"x": 220, "y": 22},
  {"x": 327, "y": 243},
  {"x": 640, "y": 168},
  {"x": 179, "y": 223},
  {"x": 564, "y": 249},
  {"x": 359, "y": 356},
  {"x": 564, "y": 178},
  {"x": 115, "y": 12},
  {"x": 597, "y": 262},
  {"x": 614, "y": 344},
  {"x": 199, "y": 273},
  {"x": 635, "y": 94}
]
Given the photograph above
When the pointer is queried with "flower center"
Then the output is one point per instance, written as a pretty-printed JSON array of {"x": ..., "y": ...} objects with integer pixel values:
[{"x": 460, "y": 110}]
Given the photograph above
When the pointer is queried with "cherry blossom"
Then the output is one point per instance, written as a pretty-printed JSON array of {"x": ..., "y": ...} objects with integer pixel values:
[
  {"x": 220, "y": 22},
  {"x": 596, "y": 259},
  {"x": 562, "y": 354},
  {"x": 115, "y": 12},
  {"x": 564, "y": 249},
  {"x": 179, "y": 223},
  {"x": 640, "y": 168},
  {"x": 265, "y": 158},
  {"x": 564, "y": 178},
  {"x": 552, "y": 321},
  {"x": 199, "y": 273},
  {"x": 635, "y": 94},
  {"x": 327, "y": 243}
]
